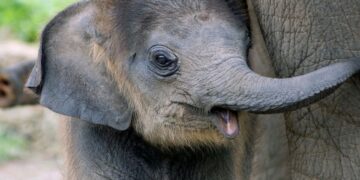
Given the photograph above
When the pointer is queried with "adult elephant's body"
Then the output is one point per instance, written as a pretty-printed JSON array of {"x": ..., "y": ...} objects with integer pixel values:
[{"x": 301, "y": 36}]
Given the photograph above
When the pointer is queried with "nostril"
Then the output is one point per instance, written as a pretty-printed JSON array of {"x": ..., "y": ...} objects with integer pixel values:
[
  {"x": 4, "y": 82},
  {"x": 2, "y": 94}
]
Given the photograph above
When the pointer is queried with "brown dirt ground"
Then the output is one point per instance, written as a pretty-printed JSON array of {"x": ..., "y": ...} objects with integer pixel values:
[{"x": 37, "y": 168}]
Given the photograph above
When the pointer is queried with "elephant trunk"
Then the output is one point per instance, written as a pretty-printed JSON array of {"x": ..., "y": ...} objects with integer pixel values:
[
  {"x": 12, "y": 80},
  {"x": 235, "y": 87},
  {"x": 248, "y": 91}
]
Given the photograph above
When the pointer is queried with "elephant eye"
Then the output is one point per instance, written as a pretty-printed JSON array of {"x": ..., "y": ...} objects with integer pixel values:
[{"x": 163, "y": 61}]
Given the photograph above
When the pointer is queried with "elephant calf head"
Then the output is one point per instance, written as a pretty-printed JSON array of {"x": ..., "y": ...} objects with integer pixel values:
[{"x": 175, "y": 71}]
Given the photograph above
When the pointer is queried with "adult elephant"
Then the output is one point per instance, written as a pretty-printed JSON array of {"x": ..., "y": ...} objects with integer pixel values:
[{"x": 323, "y": 139}]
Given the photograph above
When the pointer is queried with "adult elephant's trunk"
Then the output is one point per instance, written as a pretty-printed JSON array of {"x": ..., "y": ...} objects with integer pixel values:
[
  {"x": 12, "y": 80},
  {"x": 247, "y": 91}
]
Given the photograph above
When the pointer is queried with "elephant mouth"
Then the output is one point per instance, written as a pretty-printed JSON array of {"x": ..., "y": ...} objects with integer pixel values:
[
  {"x": 226, "y": 122},
  {"x": 222, "y": 118}
]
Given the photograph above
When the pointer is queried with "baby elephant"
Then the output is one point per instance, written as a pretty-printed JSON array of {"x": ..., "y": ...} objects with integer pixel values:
[{"x": 154, "y": 88}]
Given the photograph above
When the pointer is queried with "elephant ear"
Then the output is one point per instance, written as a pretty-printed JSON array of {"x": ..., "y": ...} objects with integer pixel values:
[{"x": 66, "y": 77}]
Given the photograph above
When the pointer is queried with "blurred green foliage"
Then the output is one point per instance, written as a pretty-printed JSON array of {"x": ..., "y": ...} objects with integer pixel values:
[
  {"x": 26, "y": 18},
  {"x": 11, "y": 145}
]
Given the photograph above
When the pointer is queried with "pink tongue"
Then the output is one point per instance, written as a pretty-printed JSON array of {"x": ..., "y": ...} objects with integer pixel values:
[{"x": 227, "y": 123}]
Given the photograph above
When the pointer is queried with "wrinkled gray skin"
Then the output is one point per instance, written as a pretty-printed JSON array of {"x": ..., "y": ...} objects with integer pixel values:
[
  {"x": 108, "y": 89},
  {"x": 301, "y": 36}
]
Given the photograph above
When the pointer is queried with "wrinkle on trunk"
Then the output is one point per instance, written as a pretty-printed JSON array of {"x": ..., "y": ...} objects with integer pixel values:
[{"x": 244, "y": 90}]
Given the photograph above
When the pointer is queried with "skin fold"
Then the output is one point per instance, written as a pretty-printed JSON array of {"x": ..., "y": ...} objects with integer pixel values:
[{"x": 147, "y": 100}]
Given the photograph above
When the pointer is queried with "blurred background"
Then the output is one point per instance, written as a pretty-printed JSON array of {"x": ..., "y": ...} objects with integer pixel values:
[{"x": 29, "y": 144}]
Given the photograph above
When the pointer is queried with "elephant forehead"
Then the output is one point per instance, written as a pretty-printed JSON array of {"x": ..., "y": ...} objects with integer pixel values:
[{"x": 222, "y": 39}]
